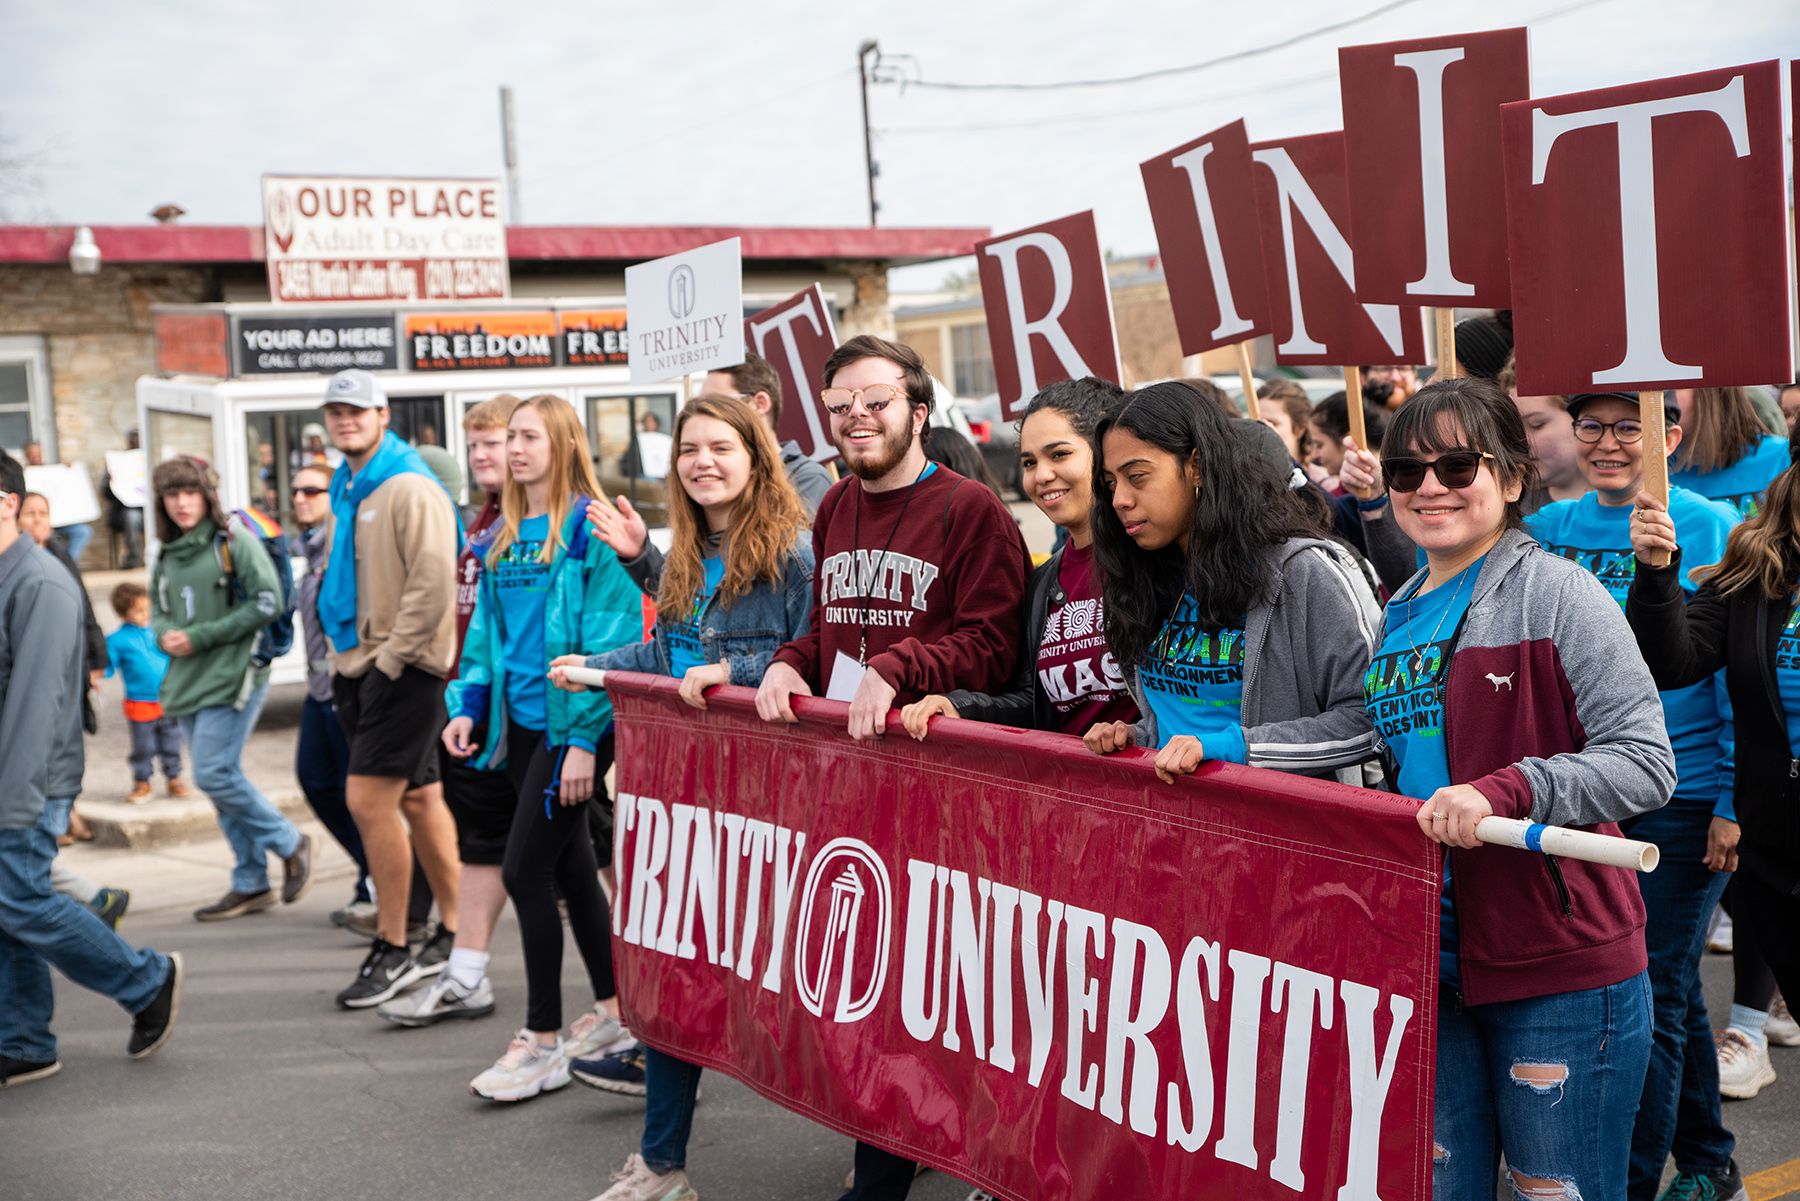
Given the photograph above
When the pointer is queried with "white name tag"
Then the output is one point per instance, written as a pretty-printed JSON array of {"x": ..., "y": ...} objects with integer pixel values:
[{"x": 846, "y": 678}]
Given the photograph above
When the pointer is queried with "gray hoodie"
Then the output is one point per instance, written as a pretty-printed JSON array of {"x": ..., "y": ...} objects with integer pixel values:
[
  {"x": 41, "y": 682},
  {"x": 1307, "y": 648}
]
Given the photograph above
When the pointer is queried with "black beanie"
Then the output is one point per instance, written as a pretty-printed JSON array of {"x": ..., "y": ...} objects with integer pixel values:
[{"x": 1482, "y": 346}]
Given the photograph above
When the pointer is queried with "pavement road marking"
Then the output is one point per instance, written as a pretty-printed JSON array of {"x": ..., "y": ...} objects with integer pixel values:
[{"x": 1782, "y": 1180}]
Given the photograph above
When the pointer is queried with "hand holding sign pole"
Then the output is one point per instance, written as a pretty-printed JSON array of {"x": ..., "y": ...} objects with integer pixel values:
[{"x": 1683, "y": 281}]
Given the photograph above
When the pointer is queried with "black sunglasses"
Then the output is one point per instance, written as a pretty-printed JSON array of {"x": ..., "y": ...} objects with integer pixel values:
[
  {"x": 1456, "y": 469},
  {"x": 310, "y": 491}
]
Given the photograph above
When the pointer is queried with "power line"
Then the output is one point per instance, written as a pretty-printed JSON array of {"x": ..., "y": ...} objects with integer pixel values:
[{"x": 1162, "y": 72}]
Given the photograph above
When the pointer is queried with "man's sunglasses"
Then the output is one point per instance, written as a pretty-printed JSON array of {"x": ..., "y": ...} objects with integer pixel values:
[
  {"x": 1457, "y": 469},
  {"x": 875, "y": 397},
  {"x": 310, "y": 492}
]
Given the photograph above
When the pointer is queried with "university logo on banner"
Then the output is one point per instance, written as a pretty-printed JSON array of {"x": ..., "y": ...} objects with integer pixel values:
[
  {"x": 1203, "y": 204},
  {"x": 797, "y": 336},
  {"x": 1319, "y": 317},
  {"x": 1647, "y": 229},
  {"x": 1426, "y": 188},
  {"x": 686, "y": 312},
  {"x": 1049, "y": 307}
]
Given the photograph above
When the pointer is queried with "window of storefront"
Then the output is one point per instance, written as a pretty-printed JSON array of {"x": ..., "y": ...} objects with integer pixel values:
[
  {"x": 25, "y": 409},
  {"x": 971, "y": 362},
  {"x": 631, "y": 441}
]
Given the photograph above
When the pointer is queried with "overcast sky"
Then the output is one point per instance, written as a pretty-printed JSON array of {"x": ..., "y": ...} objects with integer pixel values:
[{"x": 731, "y": 113}]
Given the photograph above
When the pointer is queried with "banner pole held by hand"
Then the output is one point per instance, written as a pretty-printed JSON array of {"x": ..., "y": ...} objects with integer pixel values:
[
  {"x": 1353, "y": 401},
  {"x": 1446, "y": 343},
  {"x": 1253, "y": 405},
  {"x": 1656, "y": 456},
  {"x": 586, "y": 675},
  {"x": 1584, "y": 845}
]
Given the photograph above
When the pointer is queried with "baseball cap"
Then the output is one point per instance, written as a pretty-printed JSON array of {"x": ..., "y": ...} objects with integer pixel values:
[
  {"x": 355, "y": 387},
  {"x": 1580, "y": 400}
]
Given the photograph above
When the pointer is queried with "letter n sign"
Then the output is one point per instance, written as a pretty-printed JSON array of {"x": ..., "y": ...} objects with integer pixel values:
[
  {"x": 1422, "y": 138},
  {"x": 1647, "y": 231},
  {"x": 1049, "y": 308}
]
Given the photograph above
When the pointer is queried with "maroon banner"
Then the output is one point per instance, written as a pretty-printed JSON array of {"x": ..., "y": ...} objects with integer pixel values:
[
  {"x": 1042, "y": 971},
  {"x": 797, "y": 336},
  {"x": 1303, "y": 203},
  {"x": 1427, "y": 192},
  {"x": 1203, "y": 203},
  {"x": 1648, "y": 233},
  {"x": 1049, "y": 307}
]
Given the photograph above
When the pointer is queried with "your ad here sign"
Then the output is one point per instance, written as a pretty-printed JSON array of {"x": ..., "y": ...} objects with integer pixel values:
[{"x": 1093, "y": 984}]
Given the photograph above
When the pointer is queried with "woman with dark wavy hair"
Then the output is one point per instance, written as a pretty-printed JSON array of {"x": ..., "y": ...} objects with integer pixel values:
[{"x": 1244, "y": 630}]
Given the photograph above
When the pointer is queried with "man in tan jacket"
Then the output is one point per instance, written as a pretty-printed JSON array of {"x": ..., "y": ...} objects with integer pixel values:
[{"x": 387, "y": 603}]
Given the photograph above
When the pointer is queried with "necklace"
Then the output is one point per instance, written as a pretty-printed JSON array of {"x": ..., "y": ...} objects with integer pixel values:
[
  {"x": 1418, "y": 653},
  {"x": 862, "y": 649}
]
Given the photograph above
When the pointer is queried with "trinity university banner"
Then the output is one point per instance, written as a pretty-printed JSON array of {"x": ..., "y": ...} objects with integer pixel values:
[{"x": 1044, "y": 972}]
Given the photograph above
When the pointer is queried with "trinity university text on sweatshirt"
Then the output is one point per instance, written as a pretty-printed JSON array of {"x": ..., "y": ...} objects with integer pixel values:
[{"x": 932, "y": 574}]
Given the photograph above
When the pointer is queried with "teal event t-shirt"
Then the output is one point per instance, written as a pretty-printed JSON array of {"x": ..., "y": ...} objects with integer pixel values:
[
  {"x": 1193, "y": 681},
  {"x": 1787, "y": 677},
  {"x": 1741, "y": 485},
  {"x": 685, "y": 650},
  {"x": 522, "y": 583},
  {"x": 1404, "y": 693}
]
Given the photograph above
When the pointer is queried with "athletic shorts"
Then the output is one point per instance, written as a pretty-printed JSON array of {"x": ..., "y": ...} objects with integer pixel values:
[
  {"x": 482, "y": 802},
  {"x": 393, "y": 725}
]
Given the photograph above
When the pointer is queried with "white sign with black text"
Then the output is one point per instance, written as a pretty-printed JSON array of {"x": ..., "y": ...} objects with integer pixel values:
[{"x": 685, "y": 312}]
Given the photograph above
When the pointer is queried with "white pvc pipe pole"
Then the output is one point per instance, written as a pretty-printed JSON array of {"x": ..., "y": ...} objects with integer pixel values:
[
  {"x": 586, "y": 675},
  {"x": 1568, "y": 844}
]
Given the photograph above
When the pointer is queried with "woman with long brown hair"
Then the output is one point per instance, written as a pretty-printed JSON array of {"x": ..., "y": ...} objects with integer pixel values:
[
  {"x": 736, "y": 585},
  {"x": 549, "y": 589},
  {"x": 1727, "y": 453}
]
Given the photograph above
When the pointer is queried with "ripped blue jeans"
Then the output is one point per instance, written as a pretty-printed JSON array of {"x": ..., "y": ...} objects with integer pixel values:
[{"x": 1552, "y": 1082}]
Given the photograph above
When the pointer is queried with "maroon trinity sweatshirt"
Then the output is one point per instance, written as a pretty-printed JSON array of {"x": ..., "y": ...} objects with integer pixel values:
[{"x": 937, "y": 590}]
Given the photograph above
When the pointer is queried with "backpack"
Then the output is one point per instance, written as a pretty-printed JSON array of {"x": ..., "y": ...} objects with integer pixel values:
[{"x": 277, "y": 638}]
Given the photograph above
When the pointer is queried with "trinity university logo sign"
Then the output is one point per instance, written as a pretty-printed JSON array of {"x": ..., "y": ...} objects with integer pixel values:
[{"x": 843, "y": 932}]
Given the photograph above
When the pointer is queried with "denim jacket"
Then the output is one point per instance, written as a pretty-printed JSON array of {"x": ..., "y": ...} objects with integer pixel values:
[{"x": 744, "y": 634}]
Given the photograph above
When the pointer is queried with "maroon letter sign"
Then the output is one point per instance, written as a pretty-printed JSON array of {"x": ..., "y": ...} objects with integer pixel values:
[
  {"x": 1042, "y": 971},
  {"x": 1647, "y": 229},
  {"x": 1427, "y": 193},
  {"x": 1049, "y": 307},
  {"x": 1203, "y": 204},
  {"x": 1303, "y": 202},
  {"x": 797, "y": 336}
]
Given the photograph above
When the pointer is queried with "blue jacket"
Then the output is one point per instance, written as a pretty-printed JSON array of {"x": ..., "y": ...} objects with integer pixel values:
[
  {"x": 591, "y": 606},
  {"x": 132, "y": 653},
  {"x": 745, "y": 634}
]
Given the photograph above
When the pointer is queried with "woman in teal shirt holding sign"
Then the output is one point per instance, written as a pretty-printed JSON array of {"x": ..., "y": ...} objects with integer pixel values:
[{"x": 1246, "y": 628}]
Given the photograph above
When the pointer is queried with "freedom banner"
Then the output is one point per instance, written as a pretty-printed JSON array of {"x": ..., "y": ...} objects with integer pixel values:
[{"x": 1042, "y": 971}]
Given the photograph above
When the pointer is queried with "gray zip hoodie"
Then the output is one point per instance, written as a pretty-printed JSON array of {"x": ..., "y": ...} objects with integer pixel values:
[
  {"x": 1307, "y": 647},
  {"x": 41, "y": 682}
]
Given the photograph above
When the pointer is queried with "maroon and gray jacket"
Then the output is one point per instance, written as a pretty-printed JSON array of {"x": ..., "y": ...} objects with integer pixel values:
[{"x": 1550, "y": 711}]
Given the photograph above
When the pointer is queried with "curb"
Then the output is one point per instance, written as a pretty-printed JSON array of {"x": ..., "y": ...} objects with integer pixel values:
[{"x": 163, "y": 822}]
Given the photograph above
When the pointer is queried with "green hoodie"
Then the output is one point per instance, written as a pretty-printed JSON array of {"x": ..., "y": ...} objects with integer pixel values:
[{"x": 189, "y": 592}]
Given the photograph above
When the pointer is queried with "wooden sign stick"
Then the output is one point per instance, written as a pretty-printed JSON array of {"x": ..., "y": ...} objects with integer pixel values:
[
  {"x": 1446, "y": 343},
  {"x": 1656, "y": 455},
  {"x": 1353, "y": 401},
  {"x": 1253, "y": 405}
]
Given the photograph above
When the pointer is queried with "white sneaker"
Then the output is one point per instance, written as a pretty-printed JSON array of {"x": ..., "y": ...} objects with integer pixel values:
[
  {"x": 635, "y": 1182},
  {"x": 591, "y": 1035},
  {"x": 446, "y": 998},
  {"x": 1781, "y": 1029},
  {"x": 524, "y": 1071},
  {"x": 1744, "y": 1068},
  {"x": 1718, "y": 939}
]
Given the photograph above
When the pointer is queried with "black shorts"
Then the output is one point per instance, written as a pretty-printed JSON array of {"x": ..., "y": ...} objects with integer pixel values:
[
  {"x": 393, "y": 725},
  {"x": 482, "y": 802}
]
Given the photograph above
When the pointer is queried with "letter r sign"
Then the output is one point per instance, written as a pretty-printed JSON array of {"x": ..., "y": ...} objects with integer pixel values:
[
  {"x": 1647, "y": 231},
  {"x": 1049, "y": 307}
]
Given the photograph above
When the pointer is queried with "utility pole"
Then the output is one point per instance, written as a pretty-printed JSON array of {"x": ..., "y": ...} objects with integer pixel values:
[
  {"x": 509, "y": 151},
  {"x": 862, "y": 71}
]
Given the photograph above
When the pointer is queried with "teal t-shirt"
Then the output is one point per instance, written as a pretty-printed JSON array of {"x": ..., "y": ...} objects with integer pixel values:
[
  {"x": 522, "y": 584},
  {"x": 684, "y": 639},
  {"x": 1193, "y": 680},
  {"x": 1404, "y": 693},
  {"x": 1787, "y": 677},
  {"x": 1741, "y": 485}
]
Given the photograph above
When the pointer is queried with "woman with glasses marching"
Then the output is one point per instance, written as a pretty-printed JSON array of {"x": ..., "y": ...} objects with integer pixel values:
[
  {"x": 1507, "y": 683},
  {"x": 1245, "y": 632}
]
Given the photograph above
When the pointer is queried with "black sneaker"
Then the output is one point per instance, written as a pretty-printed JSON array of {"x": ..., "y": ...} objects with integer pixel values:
[
  {"x": 296, "y": 871},
  {"x": 1727, "y": 1185},
  {"x": 435, "y": 952},
  {"x": 385, "y": 971},
  {"x": 235, "y": 904},
  {"x": 151, "y": 1028},
  {"x": 24, "y": 1071},
  {"x": 618, "y": 1072},
  {"x": 110, "y": 904}
]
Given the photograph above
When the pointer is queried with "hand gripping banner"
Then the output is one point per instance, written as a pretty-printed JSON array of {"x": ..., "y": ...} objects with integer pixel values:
[{"x": 1042, "y": 971}]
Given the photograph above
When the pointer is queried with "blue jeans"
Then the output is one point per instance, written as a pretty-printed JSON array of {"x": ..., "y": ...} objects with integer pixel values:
[
  {"x": 1679, "y": 1111},
  {"x": 322, "y": 761},
  {"x": 670, "y": 1085},
  {"x": 151, "y": 740},
  {"x": 39, "y": 928},
  {"x": 215, "y": 738},
  {"x": 1553, "y": 1082}
]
